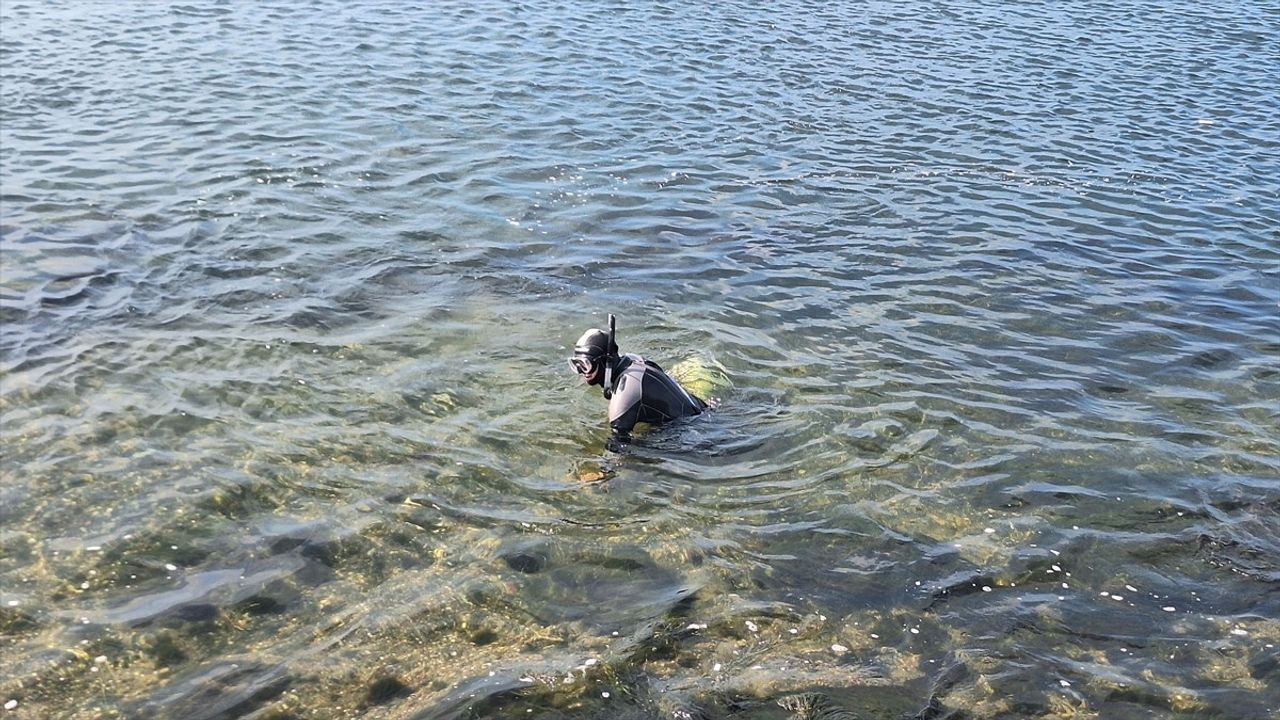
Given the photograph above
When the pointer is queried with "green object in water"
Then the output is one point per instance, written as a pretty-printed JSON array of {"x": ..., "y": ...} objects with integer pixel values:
[{"x": 702, "y": 376}]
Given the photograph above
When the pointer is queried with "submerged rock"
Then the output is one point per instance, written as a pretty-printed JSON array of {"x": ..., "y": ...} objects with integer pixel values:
[
  {"x": 385, "y": 689},
  {"x": 525, "y": 562}
]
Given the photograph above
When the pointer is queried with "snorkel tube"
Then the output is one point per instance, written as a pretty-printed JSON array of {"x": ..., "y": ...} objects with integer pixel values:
[{"x": 609, "y": 355}]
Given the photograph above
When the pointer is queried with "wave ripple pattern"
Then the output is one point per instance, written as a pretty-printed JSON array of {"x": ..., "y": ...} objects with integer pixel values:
[{"x": 286, "y": 288}]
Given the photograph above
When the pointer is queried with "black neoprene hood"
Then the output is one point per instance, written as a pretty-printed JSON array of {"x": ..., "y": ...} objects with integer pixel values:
[{"x": 593, "y": 345}]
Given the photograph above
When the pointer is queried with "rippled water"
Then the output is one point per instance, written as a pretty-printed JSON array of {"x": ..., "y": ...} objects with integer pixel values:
[{"x": 288, "y": 432}]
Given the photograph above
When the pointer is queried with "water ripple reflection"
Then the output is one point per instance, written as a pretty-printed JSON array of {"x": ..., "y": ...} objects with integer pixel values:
[{"x": 285, "y": 291}]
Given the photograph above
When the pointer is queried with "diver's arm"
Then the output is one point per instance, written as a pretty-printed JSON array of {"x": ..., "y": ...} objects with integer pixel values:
[
  {"x": 620, "y": 431},
  {"x": 617, "y": 442},
  {"x": 603, "y": 466},
  {"x": 620, "y": 426},
  {"x": 624, "y": 411}
]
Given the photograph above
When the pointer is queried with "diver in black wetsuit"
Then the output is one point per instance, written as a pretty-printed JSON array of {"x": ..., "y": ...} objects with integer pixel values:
[{"x": 638, "y": 390}]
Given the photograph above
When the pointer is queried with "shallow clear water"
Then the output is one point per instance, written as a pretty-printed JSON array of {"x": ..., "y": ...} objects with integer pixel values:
[{"x": 288, "y": 432}]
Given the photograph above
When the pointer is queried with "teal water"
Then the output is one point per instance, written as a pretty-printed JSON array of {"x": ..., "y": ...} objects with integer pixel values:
[{"x": 286, "y": 291}]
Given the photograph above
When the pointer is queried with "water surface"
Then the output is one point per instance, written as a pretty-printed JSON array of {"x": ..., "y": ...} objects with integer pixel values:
[{"x": 288, "y": 433}]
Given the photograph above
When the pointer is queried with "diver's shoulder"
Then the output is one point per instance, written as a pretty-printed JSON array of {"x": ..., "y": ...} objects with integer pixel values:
[{"x": 633, "y": 363}]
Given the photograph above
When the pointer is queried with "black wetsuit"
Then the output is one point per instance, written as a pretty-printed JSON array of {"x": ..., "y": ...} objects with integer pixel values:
[{"x": 644, "y": 393}]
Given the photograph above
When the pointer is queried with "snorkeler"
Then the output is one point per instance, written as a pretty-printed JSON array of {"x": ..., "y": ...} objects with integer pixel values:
[{"x": 638, "y": 390}]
